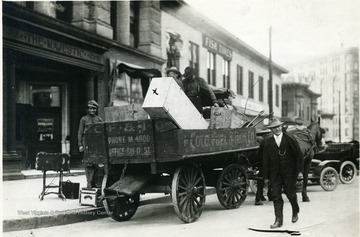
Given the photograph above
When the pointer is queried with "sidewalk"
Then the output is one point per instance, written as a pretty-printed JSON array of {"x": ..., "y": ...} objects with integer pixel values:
[{"x": 22, "y": 208}]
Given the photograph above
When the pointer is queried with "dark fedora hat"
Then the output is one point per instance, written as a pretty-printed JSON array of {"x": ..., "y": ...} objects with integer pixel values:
[
  {"x": 274, "y": 123},
  {"x": 173, "y": 69},
  {"x": 188, "y": 72}
]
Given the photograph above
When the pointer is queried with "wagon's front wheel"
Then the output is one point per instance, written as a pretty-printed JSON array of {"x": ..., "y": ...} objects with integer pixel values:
[
  {"x": 232, "y": 186},
  {"x": 123, "y": 207},
  {"x": 188, "y": 192},
  {"x": 329, "y": 179}
]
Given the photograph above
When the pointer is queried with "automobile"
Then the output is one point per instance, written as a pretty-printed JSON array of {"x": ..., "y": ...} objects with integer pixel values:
[{"x": 343, "y": 157}]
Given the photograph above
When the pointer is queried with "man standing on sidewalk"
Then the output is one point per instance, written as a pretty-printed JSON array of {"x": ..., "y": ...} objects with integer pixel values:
[
  {"x": 282, "y": 162},
  {"x": 85, "y": 123}
]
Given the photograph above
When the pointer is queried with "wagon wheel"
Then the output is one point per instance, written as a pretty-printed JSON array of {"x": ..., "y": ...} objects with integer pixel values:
[
  {"x": 329, "y": 179},
  {"x": 122, "y": 207},
  {"x": 188, "y": 192},
  {"x": 347, "y": 172},
  {"x": 232, "y": 186}
]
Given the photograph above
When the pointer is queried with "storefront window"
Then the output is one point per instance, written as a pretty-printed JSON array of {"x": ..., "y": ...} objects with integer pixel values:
[
  {"x": 45, "y": 96},
  {"x": 126, "y": 90}
]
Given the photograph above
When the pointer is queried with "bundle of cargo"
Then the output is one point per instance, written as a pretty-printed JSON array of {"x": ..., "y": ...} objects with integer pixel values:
[
  {"x": 166, "y": 100},
  {"x": 125, "y": 113}
]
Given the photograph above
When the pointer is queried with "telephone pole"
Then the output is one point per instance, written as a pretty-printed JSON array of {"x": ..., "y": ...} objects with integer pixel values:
[{"x": 270, "y": 90}]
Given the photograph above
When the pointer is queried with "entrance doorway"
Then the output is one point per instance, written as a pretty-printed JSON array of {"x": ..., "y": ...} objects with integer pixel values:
[{"x": 44, "y": 121}]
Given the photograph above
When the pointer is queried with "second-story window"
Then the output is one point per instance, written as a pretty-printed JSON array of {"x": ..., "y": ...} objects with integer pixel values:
[
  {"x": 251, "y": 84},
  {"x": 226, "y": 74},
  {"x": 211, "y": 65},
  {"x": 261, "y": 88},
  {"x": 64, "y": 10},
  {"x": 134, "y": 23},
  {"x": 277, "y": 98},
  {"x": 240, "y": 80},
  {"x": 194, "y": 57}
]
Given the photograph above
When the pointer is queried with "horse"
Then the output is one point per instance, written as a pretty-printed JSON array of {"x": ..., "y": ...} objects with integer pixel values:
[{"x": 309, "y": 139}]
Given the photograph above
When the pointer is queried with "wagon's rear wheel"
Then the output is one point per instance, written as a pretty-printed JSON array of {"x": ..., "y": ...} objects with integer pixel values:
[
  {"x": 232, "y": 186},
  {"x": 347, "y": 172},
  {"x": 188, "y": 192},
  {"x": 329, "y": 179},
  {"x": 122, "y": 208}
]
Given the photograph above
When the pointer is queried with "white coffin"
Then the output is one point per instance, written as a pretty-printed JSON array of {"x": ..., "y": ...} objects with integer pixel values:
[{"x": 165, "y": 99}]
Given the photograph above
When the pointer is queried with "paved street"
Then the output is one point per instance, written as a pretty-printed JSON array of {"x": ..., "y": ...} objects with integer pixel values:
[{"x": 328, "y": 214}]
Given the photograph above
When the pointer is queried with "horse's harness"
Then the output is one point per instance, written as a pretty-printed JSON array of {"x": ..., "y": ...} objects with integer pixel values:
[{"x": 308, "y": 138}]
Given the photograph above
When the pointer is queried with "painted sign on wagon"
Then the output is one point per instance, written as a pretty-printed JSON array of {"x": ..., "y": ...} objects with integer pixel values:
[
  {"x": 132, "y": 140},
  {"x": 216, "y": 140}
]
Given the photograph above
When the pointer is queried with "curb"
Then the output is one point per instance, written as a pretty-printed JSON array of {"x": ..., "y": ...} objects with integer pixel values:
[{"x": 73, "y": 216}]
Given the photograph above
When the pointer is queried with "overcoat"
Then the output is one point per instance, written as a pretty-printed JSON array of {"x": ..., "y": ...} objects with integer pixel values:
[{"x": 271, "y": 159}]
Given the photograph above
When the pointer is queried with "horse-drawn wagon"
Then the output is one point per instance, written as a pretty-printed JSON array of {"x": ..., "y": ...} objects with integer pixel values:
[
  {"x": 169, "y": 153},
  {"x": 149, "y": 156}
]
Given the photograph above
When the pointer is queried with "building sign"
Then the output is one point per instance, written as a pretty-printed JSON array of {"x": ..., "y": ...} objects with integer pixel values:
[
  {"x": 217, "y": 47},
  {"x": 51, "y": 45}
]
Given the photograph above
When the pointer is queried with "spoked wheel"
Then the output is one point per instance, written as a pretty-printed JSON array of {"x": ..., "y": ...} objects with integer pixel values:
[
  {"x": 122, "y": 208},
  {"x": 347, "y": 172},
  {"x": 232, "y": 186},
  {"x": 329, "y": 179},
  {"x": 188, "y": 192}
]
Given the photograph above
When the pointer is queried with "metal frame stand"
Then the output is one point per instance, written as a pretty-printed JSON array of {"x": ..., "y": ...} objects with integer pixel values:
[{"x": 45, "y": 187}]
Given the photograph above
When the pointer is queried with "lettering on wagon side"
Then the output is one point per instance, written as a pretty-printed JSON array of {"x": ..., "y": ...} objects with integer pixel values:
[{"x": 196, "y": 142}]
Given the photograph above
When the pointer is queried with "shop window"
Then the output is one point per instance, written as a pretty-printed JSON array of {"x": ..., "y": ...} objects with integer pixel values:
[
  {"x": 211, "y": 66},
  {"x": 240, "y": 80},
  {"x": 126, "y": 90},
  {"x": 194, "y": 57},
  {"x": 45, "y": 96}
]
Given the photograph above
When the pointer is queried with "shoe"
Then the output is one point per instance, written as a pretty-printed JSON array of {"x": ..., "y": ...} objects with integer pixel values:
[
  {"x": 294, "y": 218},
  {"x": 263, "y": 199},
  {"x": 277, "y": 224},
  {"x": 259, "y": 203}
]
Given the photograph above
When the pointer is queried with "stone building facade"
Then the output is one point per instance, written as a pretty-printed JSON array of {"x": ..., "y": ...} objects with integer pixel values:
[{"x": 57, "y": 55}]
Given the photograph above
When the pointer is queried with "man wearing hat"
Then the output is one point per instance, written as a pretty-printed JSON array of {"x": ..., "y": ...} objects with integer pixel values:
[
  {"x": 282, "y": 162},
  {"x": 174, "y": 73},
  {"x": 195, "y": 88},
  {"x": 85, "y": 123}
]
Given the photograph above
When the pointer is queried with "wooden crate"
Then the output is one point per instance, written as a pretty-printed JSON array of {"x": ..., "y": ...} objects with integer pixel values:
[
  {"x": 166, "y": 100},
  {"x": 220, "y": 117},
  {"x": 125, "y": 113}
]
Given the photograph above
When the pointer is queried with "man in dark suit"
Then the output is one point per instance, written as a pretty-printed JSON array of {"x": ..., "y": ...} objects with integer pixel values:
[{"x": 282, "y": 162}]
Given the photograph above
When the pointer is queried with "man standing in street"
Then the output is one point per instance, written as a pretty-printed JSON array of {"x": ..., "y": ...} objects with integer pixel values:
[
  {"x": 282, "y": 162},
  {"x": 196, "y": 88},
  {"x": 85, "y": 123}
]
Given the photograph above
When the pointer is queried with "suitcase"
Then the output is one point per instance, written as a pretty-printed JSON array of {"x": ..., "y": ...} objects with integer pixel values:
[
  {"x": 89, "y": 196},
  {"x": 70, "y": 189},
  {"x": 53, "y": 161}
]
